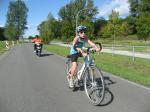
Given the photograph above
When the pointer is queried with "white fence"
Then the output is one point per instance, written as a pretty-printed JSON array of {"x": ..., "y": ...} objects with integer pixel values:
[{"x": 133, "y": 51}]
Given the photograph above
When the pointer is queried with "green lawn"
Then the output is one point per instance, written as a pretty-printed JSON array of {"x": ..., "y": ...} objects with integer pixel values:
[
  {"x": 125, "y": 42},
  {"x": 127, "y": 45},
  {"x": 121, "y": 66},
  {"x": 2, "y": 47},
  {"x": 143, "y": 49}
]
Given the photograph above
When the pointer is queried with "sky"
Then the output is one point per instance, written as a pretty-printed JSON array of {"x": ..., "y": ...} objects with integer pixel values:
[{"x": 39, "y": 10}]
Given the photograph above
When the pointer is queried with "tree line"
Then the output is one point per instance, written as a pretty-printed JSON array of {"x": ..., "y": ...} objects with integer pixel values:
[
  {"x": 137, "y": 23},
  {"x": 63, "y": 28},
  {"x": 16, "y": 21}
]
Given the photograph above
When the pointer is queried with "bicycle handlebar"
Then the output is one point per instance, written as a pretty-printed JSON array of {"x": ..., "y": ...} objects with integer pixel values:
[{"x": 94, "y": 50}]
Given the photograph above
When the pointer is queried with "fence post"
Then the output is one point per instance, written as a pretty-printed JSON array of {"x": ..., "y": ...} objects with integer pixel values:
[
  {"x": 113, "y": 50},
  {"x": 133, "y": 51}
]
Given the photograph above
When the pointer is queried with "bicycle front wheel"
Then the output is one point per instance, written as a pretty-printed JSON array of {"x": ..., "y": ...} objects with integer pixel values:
[{"x": 94, "y": 85}]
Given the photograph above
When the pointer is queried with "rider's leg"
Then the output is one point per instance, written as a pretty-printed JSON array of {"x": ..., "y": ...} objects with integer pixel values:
[
  {"x": 73, "y": 69},
  {"x": 71, "y": 74}
]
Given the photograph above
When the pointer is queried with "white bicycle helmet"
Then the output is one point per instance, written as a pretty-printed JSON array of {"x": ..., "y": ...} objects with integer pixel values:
[{"x": 80, "y": 28}]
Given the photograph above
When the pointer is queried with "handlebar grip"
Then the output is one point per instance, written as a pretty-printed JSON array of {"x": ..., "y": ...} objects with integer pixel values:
[{"x": 88, "y": 49}]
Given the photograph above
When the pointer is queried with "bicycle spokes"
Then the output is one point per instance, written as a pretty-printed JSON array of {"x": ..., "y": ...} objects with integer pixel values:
[{"x": 94, "y": 85}]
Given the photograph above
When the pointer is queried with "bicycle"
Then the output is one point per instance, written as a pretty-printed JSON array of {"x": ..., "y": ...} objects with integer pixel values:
[{"x": 90, "y": 77}]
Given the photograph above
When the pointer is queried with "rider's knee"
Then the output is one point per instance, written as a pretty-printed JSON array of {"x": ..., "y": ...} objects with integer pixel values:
[{"x": 74, "y": 64}]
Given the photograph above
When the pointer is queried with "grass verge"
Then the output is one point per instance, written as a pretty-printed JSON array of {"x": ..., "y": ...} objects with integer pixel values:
[
  {"x": 121, "y": 66},
  {"x": 2, "y": 47}
]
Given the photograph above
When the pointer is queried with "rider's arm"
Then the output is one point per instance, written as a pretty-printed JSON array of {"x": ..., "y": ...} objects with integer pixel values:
[
  {"x": 74, "y": 45},
  {"x": 93, "y": 45},
  {"x": 78, "y": 49},
  {"x": 74, "y": 41}
]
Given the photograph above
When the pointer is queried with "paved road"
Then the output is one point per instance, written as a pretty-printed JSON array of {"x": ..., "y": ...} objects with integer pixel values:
[{"x": 32, "y": 84}]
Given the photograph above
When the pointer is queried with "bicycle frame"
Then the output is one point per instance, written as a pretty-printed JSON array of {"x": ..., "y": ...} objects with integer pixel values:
[{"x": 85, "y": 65}]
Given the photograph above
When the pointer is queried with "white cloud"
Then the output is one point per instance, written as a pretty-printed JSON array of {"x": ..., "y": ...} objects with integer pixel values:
[
  {"x": 122, "y": 6},
  {"x": 1, "y": 25}
]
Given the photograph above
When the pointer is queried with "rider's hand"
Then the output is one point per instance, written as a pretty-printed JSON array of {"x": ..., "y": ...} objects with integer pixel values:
[{"x": 97, "y": 49}]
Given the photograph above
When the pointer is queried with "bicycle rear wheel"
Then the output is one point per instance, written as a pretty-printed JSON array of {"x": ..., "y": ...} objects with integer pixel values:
[{"x": 94, "y": 85}]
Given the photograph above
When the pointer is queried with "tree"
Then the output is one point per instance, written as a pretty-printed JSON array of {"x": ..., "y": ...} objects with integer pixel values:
[
  {"x": 99, "y": 24},
  {"x": 134, "y": 7},
  {"x": 143, "y": 26},
  {"x": 2, "y": 37},
  {"x": 65, "y": 26},
  {"x": 134, "y": 12},
  {"x": 143, "y": 21},
  {"x": 54, "y": 26},
  {"x": 114, "y": 25},
  {"x": 69, "y": 12},
  {"x": 16, "y": 19},
  {"x": 107, "y": 31},
  {"x": 125, "y": 29},
  {"x": 49, "y": 29},
  {"x": 10, "y": 32},
  {"x": 66, "y": 31},
  {"x": 44, "y": 32},
  {"x": 144, "y": 6}
]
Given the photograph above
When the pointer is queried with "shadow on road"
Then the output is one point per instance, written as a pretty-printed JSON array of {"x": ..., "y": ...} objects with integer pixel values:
[
  {"x": 44, "y": 55},
  {"x": 108, "y": 97},
  {"x": 108, "y": 81}
]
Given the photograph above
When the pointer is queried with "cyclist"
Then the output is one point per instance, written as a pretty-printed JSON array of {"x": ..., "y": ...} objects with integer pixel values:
[
  {"x": 37, "y": 40},
  {"x": 76, "y": 51}
]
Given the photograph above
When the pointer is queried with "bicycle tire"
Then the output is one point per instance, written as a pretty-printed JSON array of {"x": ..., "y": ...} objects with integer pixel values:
[{"x": 94, "y": 85}]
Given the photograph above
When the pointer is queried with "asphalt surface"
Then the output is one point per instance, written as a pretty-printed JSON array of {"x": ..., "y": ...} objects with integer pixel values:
[{"x": 38, "y": 84}]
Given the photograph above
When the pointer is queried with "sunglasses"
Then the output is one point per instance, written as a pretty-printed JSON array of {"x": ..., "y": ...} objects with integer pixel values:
[{"x": 82, "y": 32}]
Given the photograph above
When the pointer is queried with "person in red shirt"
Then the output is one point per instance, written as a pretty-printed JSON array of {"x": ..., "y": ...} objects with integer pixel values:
[{"x": 37, "y": 40}]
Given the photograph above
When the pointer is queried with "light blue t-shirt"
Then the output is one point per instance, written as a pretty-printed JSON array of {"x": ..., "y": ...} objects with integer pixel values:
[{"x": 80, "y": 44}]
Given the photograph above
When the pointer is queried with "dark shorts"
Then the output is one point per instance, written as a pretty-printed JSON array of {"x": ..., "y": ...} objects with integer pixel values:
[{"x": 74, "y": 57}]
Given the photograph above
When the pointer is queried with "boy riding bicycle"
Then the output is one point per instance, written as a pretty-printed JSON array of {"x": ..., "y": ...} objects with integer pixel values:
[{"x": 76, "y": 51}]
